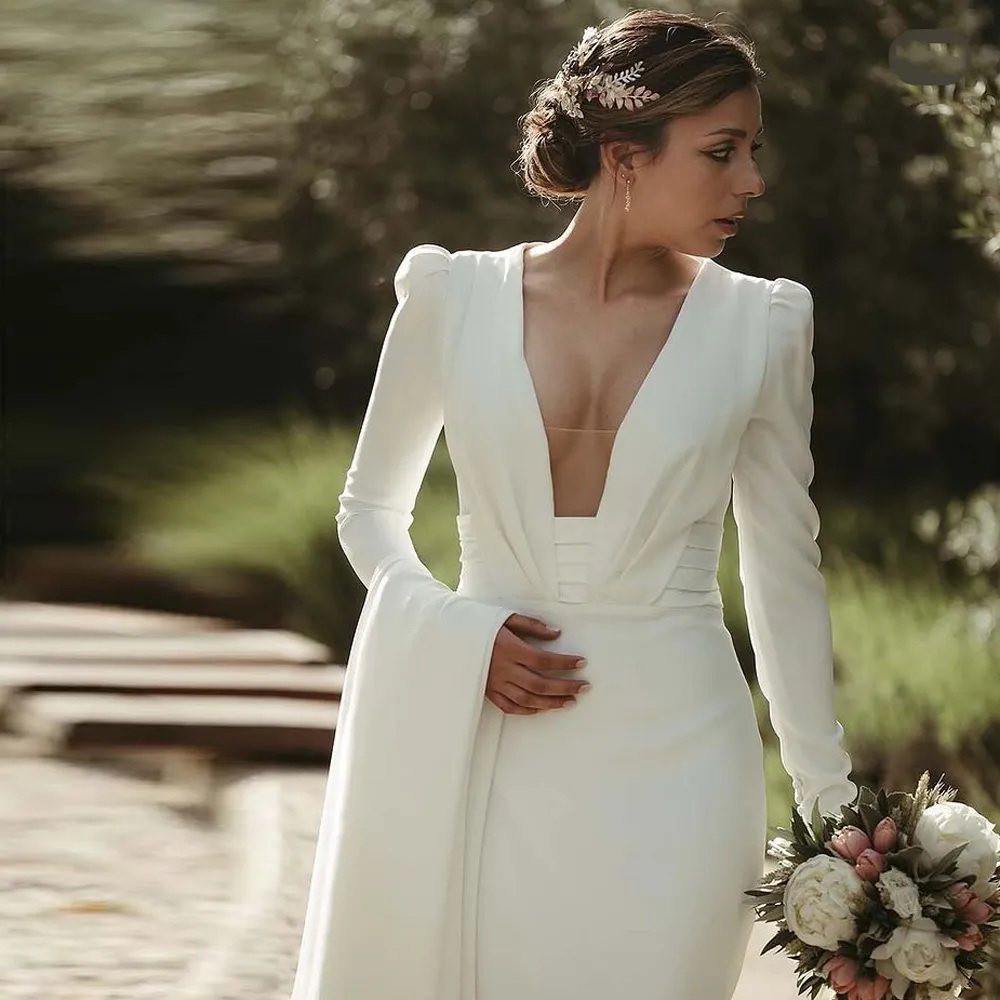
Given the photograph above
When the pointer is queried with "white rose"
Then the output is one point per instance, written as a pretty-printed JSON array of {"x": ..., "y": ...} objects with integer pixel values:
[
  {"x": 917, "y": 952},
  {"x": 822, "y": 900},
  {"x": 942, "y": 827},
  {"x": 927, "y": 991},
  {"x": 899, "y": 893}
]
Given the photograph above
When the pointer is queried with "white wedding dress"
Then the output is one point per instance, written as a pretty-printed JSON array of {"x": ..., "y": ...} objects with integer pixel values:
[{"x": 601, "y": 850}]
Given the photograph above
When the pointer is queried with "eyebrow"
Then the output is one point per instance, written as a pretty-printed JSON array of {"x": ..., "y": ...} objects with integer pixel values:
[{"x": 729, "y": 130}]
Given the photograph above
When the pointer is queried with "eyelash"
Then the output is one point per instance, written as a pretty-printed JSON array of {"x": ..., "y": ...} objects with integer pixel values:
[{"x": 753, "y": 149}]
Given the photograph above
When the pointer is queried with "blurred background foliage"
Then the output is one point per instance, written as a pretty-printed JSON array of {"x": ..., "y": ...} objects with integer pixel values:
[{"x": 203, "y": 207}]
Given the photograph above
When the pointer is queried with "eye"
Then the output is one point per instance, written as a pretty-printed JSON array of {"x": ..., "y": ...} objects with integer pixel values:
[{"x": 727, "y": 150}]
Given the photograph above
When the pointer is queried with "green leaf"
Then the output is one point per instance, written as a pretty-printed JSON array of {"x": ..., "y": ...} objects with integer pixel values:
[
  {"x": 871, "y": 816},
  {"x": 783, "y": 937},
  {"x": 799, "y": 832},
  {"x": 866, "y": 797},
  {"x": 817, "y": 824},
  {"x": 950, "y": 857},
  {"x": 906, "y": 859},
  {"x": 851, "y": 817}
]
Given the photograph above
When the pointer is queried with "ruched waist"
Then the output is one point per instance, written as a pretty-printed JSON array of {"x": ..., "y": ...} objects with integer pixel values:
[
  {"x": 692, "y": 584},
  {"x": 572, "y": 536}
]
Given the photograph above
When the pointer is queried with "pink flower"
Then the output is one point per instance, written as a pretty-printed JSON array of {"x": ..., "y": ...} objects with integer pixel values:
[
  {"x": 849, "y": 842},
  {"x": 870, "y": 864},
  {"x": 972, "y": 938},
  {"x": 961, "y": 894},
  {"x": 967, "y": 904},
  {"x": 870, "y": 989},
  {"x": 976, "y": 911},
  {"x": 884, "y": 836},
  {"x": 843, "y": 972},
  {"x": 880, "y": 986}
]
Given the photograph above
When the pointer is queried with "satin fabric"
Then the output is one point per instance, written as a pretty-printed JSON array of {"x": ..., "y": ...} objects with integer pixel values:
[{"x": 433, "y": 792}]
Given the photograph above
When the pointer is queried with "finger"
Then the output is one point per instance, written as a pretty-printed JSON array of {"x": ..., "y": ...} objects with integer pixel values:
[
  {"x": 531, "y": 700},
  {"x": 525, "y": 677},
  {"x": 525, "y": 624},
  {"x": 506, "y": 705},
  {"x": 541, "y": 659}
]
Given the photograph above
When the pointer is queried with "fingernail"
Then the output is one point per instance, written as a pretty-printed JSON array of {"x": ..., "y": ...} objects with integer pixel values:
[
  {"x": 585, "y": 687},
  {"x": 582, "y": 662},
  {"x": 554, "y": 628}
]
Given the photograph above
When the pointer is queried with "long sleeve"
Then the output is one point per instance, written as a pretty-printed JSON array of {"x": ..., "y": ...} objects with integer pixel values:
[
  {"x": 386, "y": 897},
  {"x": 784, "y": 590},
  {"x": 403, "y": 421}
]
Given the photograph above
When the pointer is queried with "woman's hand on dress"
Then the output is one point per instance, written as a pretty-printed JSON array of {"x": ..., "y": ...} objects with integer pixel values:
[{"x": 516, "y": 683}]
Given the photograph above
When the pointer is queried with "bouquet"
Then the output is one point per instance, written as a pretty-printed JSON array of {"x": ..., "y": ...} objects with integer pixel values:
[{"x": 896, "y": 899}]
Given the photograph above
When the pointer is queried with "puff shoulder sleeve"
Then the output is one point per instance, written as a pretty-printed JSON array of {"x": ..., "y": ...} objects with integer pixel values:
[
  {"x": 784, "y": 590},
  {"x": 403, "y": 420}
]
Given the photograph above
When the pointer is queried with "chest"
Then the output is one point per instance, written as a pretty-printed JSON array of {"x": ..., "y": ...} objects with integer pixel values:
[{"x": 586, "y": 363}]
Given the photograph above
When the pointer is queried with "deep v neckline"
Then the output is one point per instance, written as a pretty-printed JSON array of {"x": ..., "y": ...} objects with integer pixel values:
[{"x": 681, "y": 320}]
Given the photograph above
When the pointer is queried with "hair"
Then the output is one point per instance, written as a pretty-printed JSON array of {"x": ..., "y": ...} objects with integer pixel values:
[{"x": 692, "y": 63}]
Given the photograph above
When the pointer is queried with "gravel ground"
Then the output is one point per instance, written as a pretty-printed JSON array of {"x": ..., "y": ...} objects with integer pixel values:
[
  {"x": 107, "y": 894},
  {"x": 274, "y": 817},
  {"x": 103, "y": 893}
]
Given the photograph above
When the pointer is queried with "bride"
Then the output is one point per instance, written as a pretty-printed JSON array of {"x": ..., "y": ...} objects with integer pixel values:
[{"x": 548, "y": 784}]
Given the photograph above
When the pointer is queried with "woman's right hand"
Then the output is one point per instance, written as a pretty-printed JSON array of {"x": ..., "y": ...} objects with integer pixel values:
[{"x": 516, "y": 683}]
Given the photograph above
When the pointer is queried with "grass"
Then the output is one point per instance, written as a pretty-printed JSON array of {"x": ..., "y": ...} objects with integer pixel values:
[{"x": 262, "y": 496}]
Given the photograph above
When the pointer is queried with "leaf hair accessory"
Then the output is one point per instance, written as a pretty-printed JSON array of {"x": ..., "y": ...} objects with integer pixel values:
[{"x": 612, "y": 90}]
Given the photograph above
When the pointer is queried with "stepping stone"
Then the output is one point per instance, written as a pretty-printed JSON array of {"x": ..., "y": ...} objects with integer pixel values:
[
  {"x": 229, "y": 726},
  {"x": 319, "y": 683},
  {"x": 230, "y": 645},
  {"x": 33, "y": 617}
]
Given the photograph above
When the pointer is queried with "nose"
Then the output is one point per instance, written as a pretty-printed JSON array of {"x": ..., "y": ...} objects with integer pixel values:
[{"x": 756, "y": 186}]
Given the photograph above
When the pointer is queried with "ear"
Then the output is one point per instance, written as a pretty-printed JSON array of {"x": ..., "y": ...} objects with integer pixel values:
[{"x": 617, "y": 157}]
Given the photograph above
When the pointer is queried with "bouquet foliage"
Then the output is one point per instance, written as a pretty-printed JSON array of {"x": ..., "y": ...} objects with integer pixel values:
[{"x": 896, "y": 899}]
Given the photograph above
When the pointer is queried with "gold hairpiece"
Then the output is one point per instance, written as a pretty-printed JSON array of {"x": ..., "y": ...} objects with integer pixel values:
[{"x": 612, "y": 90}]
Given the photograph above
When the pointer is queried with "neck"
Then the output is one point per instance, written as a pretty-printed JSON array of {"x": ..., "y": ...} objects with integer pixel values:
[{"x": 604, "y": 263}]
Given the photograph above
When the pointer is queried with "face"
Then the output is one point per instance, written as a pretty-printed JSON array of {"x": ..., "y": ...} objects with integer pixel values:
[{"x": 706, "y": 172}]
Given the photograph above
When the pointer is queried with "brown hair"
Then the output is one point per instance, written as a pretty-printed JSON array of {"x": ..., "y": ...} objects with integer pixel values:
[{"x": 690, "y": 62}]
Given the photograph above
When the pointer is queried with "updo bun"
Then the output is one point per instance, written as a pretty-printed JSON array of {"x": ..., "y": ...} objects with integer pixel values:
[
  {"x": 690, "y": 64},
  {"x": 554, "y": 160}
]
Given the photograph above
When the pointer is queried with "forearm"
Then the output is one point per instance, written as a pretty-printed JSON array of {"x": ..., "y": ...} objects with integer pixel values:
[{"x": 784, "y": 589}]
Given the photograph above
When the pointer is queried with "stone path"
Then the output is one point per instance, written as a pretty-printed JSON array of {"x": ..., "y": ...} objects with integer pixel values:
[
  {"x": 104, "y": 894},
  {"x": 109, "y": 892}
]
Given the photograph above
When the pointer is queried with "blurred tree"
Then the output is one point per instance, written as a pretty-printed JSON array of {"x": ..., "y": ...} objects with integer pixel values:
[
  {"x": 406, "y": 118},
  {"x": 406, "y": 134},
  {"x": 138, "y": 155},
  {"x": 290, "y": 153},
  {"x": 864, "y": 200}
]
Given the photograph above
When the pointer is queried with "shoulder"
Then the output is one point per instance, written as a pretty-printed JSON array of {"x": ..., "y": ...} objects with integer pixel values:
[
  {"x": 790, "y": 315},
  {"x": 789, "y": 328},
  {"x": 788, "y": 294},
  {"x": 426, "y": 259},
  {"x": 788, "y": 307},
  {"x": 418, "y": 262},
  {"x": 780, "y": 292}
]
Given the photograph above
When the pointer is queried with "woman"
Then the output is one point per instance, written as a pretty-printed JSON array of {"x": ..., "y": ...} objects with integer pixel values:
[{"x": 503, "y": 820}]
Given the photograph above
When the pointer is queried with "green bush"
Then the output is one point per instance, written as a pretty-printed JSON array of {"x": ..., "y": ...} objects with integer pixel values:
[
  {"x": 915, "y": 666},
  {"x": 241, "y": 496}
]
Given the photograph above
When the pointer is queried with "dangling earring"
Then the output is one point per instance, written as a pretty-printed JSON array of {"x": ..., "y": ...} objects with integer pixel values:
[{"x": 628, "y": 194}]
